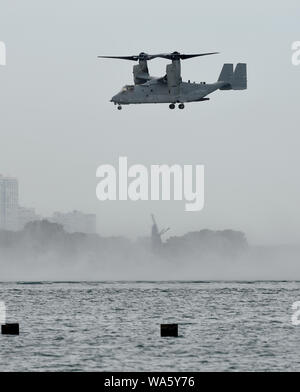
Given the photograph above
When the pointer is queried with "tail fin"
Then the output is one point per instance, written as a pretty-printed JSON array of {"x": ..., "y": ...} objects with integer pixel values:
[
  {"x": 226, "y": 75},
  {"x": 240, "y": 77},
  {"x": 235, "y": 80}
]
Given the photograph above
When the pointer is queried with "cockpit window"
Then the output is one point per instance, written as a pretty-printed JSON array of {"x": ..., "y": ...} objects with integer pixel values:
[{"x": 127, "y": 88}]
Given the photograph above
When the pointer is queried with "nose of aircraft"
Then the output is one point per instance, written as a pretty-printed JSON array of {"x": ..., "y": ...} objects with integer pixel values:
[{"x": 115, "y": 98}]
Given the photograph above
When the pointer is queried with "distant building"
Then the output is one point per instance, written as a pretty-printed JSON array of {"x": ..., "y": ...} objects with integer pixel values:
[
  {"x": 9, "y": 199},
  {"x": 26, "y": 215},
  {"x": 76, "y": 222}
]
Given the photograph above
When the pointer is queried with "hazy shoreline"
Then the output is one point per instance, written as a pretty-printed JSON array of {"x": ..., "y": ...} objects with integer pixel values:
[{"x": 43, "y": 251}]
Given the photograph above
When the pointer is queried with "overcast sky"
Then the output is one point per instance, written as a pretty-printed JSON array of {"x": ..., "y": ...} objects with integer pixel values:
[{"x": 57, "y": 124}]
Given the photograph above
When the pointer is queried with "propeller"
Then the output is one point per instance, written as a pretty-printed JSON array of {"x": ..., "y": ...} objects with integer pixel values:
[
  {"x": 141, "y": 56},
  {"x": 169, "y": 56},
  {"x": 179, "y": 56}
]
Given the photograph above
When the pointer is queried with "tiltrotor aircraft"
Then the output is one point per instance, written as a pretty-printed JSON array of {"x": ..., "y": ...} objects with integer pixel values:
[{"x": 170, "y": 88}]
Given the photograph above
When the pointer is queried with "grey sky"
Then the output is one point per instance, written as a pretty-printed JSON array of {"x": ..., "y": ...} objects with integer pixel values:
[{"x": 57, "y": 124}]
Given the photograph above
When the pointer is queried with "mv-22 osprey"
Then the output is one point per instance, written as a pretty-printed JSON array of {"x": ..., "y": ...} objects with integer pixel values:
[{"x": 170, "y": 88}]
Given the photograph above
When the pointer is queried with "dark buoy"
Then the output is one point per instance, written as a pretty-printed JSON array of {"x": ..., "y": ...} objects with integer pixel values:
[
  {"x": 10, "y": 329},
  {"x": 169, "y": 330}
]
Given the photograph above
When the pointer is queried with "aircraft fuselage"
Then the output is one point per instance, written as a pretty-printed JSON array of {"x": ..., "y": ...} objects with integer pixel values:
[{"x": 156, "y": 91}]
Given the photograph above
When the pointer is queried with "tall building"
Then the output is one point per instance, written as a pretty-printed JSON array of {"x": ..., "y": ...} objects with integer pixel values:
[
  {"x": 76, "y": 222},
  {"x": 9, "y": 199}
]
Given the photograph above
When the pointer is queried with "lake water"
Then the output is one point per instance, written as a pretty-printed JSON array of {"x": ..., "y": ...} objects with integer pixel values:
[{"x": 115, "y": 326}]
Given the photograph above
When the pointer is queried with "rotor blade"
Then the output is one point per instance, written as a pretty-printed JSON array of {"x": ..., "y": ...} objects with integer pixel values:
[
  {"x": 189, "y": 56},
  {"x": 177, "y": 56},
  {"x": 131, "y": 58},
  {"x": 141, "y": 56},
  {"x": 168, "y": 56}
]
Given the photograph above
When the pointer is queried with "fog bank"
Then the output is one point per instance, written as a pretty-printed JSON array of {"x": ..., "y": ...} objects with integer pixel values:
[{"x": 43, "y": 251}]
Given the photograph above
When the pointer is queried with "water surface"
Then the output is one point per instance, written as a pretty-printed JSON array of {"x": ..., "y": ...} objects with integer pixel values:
[{"x": 115, "y": 326}]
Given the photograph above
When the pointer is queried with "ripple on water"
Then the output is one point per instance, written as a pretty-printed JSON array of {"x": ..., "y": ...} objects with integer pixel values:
[{"x": 114, "y": 326}]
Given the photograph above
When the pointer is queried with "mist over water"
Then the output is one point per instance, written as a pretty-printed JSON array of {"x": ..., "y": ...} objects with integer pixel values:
[
  {"x": 148, "y": 267},
  {"x": 253, "y": 264},
  {"x": 44, "y": 251}
]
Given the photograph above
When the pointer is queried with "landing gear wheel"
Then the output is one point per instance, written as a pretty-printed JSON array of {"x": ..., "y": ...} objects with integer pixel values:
[
  {"x": 119, "y": 107},
  {"x": 172, "y": 106},
  {"x": 181, "y": 106}
]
